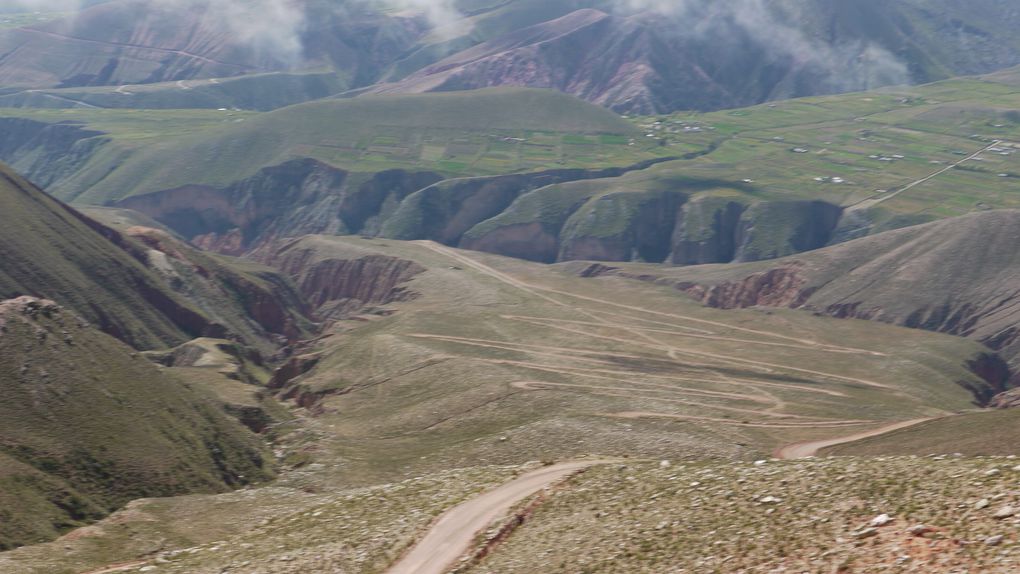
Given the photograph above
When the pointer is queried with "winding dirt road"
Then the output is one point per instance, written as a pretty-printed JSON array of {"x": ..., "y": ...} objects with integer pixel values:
[
  {"x": 811, "y": 448},
  {"x": 451, "y": 536}
]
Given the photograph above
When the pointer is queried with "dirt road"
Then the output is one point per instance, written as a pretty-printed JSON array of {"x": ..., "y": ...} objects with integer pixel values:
[
  {"x": 451, "y": 535},
  {"x": 873, "y": 201},
  {"x": 811, "y": 448}
]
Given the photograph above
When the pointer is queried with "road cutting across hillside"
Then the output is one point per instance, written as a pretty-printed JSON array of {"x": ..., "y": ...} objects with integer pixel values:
[
  {"x": 451, "y": 535},
  {"x": 808, "y": 449}
]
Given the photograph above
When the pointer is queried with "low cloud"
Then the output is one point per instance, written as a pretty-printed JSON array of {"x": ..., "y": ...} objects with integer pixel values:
[
  {"x": 274, "y": 27},
  {"x": 855, "y": 64},
  {"x": 445, "y": 20}
]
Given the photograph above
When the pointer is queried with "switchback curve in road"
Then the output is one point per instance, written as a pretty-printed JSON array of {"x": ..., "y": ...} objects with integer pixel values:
[{"x": 810, "y": 448}]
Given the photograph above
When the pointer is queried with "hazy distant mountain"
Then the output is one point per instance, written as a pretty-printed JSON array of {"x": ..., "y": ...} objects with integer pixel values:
[{"x": 638, "y": 56}]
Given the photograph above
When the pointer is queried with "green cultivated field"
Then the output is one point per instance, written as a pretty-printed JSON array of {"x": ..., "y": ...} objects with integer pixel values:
[
  {"x": 884, "y": 152},
  {"x": 875, "y": 143},
  {"x": 456, "y": 134}
]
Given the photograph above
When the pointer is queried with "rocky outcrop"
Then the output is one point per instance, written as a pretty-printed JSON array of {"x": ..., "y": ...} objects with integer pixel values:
[
  {"x": 254, "y": 304},
  {"x": 1006, "y": 400},
  {"x": 780, "y": 287}
]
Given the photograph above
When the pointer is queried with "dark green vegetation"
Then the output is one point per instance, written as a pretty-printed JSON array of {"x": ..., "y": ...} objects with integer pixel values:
[
  {"x": 51, "y": 251},
  {"x": 87, "y": 425}
]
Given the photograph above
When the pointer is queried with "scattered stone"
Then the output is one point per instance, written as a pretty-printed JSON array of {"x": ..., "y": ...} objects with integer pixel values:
[
  {"x": 983, "y": 503},
  {"x": 881, "y": 520},
  {"x": 992, "y": 472},
  {"x": 760, "y": 462},
  {"x": 865, "y": 533},
  {"x": 664, "y": 464},
  {"x": 1004, "y": 512},
  {"x": 994, "y": 540},
  {"x": 770, "y": 500}
]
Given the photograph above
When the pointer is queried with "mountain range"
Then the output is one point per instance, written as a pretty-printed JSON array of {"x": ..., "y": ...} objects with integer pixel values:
[
  {"x": 634, "y": 57},
  {"x": 477, "y": 286}
]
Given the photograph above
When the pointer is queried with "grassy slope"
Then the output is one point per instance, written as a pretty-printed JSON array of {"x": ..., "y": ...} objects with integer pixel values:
[
  {"x": 100, "y": 425},
  {"x": 846, "y": 136},
  {"x": 50, "y": 252},
  {"x": 957, "y": 275},
  {"x": 475, "y": 357},
  {"x": 975, "y": 434},
  {"x": 464, "y": 134},
  {"x": 261, "y": 92},
  {"x": 453, "y": 133}
]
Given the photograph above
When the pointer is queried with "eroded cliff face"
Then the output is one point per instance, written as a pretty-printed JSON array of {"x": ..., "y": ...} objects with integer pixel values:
[
  {"x": 680, "y": 226},
  {"x": 707, "y": 231},
  {"x": 340, "y": 287},
  {"x": 251, "y": 303},
  {"x": 296, "y": 198},
  {"x": 622, "y": 227},
  {"x": 549, "y": 216},
  {"x": 532, "y": 241}
]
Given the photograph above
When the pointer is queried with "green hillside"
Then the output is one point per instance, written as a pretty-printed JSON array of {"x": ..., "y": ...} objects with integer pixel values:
[
  {"x": 959, "y": 275},
  {"x": 87, "y": 425},
  {"x": 435, "y": 365},
  {"x": 51, "y": 251},
  {"x": 473, "y": 133},
  {"x": 799, "y": 173},
  {"x": 139, "y": 285}
]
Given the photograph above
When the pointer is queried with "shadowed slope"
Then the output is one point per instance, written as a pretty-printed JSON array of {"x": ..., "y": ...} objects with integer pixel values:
[
  {"x": 86, "y": 425},
  {"x": 151, "y": 293}
]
